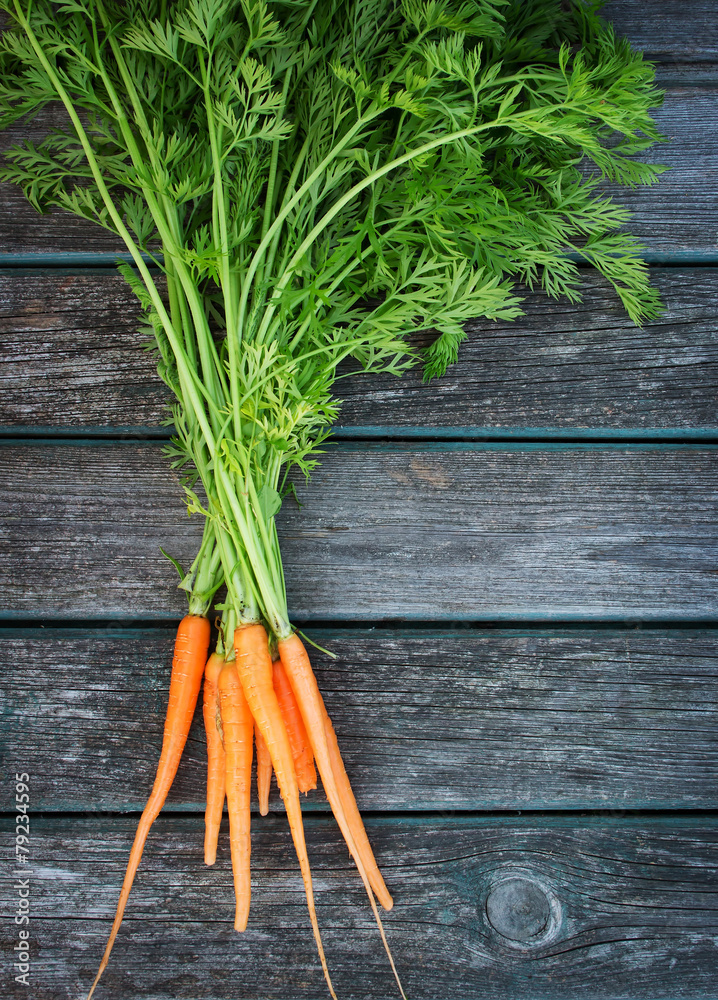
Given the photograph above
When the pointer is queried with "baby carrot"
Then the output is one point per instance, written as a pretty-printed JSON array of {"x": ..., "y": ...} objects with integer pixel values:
[
  {"x": 215, "y": 758},
  {"x": 301, "y": 676},
  {"x": 264, "y": 772},
  {"x": 190, "y": 657},
  {"x": 238, "y": 729},
  {"x": 296, "y": 731},
  {"x": 353, "y": 816}
]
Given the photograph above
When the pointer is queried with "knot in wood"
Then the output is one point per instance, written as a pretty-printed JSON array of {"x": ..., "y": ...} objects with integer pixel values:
[{"x": 519, "y": 909}]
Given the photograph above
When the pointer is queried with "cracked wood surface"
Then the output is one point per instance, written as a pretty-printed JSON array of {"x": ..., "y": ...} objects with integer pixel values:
[{"x": 606, "y": 908}]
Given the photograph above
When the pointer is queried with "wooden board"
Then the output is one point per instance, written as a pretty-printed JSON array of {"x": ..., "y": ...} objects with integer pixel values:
[
  {"x": 680, "y": 31},
  {"x": 544, "y": 908},
  {"x": 616, "y": 905},
  {"x": 70, "y": 356},
  {"x": 678, "y": 214},
  {"x": 532, "y": 719},
  {"x": 405, "y": 532}
]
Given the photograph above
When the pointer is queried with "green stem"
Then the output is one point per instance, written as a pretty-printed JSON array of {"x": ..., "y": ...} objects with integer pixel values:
[
  {"x": 219, "y": 217},
  {"x": 192, "y": 389},
  {"x": 272, "y": 604},
  {"x": 205, "y": 573},
  {"x": 269, "y": 197},
  {"x": 165, "y": 219},
  {"x": 360, "y": 186},
  {"x": 285, "y": 211},
  {"x": 261, "y": 285}
]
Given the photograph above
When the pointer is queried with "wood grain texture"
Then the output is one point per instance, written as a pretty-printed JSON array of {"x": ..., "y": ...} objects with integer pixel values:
[
  {"x": 84, "y": 528},
  {"x": 455, "y": 720},
  {"x": 70, "y": 356},
  {"x": 631, "y": 911},
  {"x": 23, "y": 229},
  {"x": 679, "y": 31},
  {"x": 679, "y": 213},
  {"x": 406, "y": 532},
  {"x": 581, "y": 368}
]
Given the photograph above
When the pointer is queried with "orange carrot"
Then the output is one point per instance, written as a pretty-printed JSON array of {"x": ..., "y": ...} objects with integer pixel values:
[
  {"x": 215, "y": 758},
  {"x": 254, "y": 667},
  {"x": 296, "y": 731},
  {"x": 264, "y": 772},
  {"x": 238, "y": 729},
  {"x": 190, "y": 656},
  {"x": 301, "y": 676}
]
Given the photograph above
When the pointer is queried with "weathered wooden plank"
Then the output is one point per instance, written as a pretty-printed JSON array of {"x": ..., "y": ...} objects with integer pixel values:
[
  {"x": 71, "y": 356},
  {"x": 529, "y": 908},
  {"x": 679, "y": 213},
  {"x": 427, "y": 720},
  {"x": 23, "y": 229},
  {"x": 681, "y": 31},
  {"x": 406, "y": 532}
]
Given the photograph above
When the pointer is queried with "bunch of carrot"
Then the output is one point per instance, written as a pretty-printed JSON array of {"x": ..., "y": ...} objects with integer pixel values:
[
  {"x": 300, "y": 182},
  {"x": 249, "y": 701}
]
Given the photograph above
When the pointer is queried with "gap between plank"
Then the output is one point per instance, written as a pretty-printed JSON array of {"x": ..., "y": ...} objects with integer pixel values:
[
  {"x": 397, "y": 438},
  {"x": 319, "y": 812},
  {"x": 103, "y": 260},
  {"x": 138, "y": 623}
]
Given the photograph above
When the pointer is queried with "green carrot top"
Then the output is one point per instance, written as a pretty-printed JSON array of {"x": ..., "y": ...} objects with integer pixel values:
[{"x": 314, "y": 180}]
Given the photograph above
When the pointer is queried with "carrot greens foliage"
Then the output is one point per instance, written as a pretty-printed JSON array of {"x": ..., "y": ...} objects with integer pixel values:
[
  {"x": 302, "y": 182},
  {"x": 318, "y": 179}
]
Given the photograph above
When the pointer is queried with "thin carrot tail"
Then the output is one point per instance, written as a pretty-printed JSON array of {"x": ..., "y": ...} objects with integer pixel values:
[
  {"x": 150, "y": 814},
  {"x": 301, "y": 676},
  {"x": 324, "y": 742},
  {"x": 238, "y": 727},
  {"x": 254, "y": 666},
  {"x": 294, "y": 815},
  {"x": 353, "y": 816},
  {"x": 264, "y": 772}
]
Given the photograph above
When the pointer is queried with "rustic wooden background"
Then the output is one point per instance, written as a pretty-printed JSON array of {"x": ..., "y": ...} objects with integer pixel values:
[{"x": 517, "y": 570}]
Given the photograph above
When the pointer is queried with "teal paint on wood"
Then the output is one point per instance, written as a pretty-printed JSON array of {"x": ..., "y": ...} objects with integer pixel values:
[
  {"x": 69, "y": 259},
  {"x": 89, "y": 435},
  {"x": 73, "y": 259}
]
